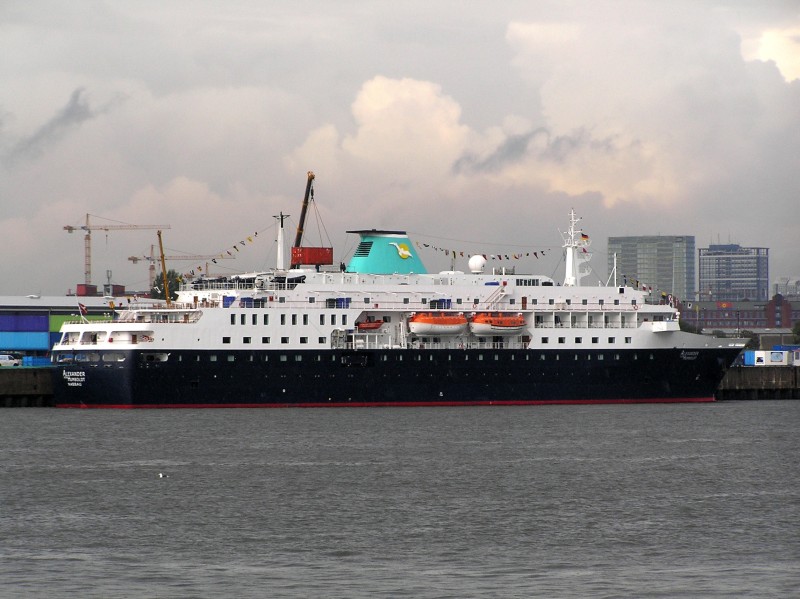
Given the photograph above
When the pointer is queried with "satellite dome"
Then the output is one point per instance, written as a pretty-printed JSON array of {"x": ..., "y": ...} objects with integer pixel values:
[{"x": 476, "y": 264}]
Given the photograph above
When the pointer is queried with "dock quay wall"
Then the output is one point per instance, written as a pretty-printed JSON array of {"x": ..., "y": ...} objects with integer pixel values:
[
  {"x": 760, "y": 382},
  {"x": 23, "y": 387}
]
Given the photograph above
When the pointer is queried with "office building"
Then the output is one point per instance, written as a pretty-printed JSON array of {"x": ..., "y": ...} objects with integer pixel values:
[
  {"x": 664, "y": 263},
  {"x": 731, "y": 272}
]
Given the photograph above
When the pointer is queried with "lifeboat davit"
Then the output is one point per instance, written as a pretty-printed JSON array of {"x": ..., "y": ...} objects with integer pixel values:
[
  {"x": 432, "y": 323},
  {"x": 369, "y": 325},
  {"x": 486, "y": 324}
]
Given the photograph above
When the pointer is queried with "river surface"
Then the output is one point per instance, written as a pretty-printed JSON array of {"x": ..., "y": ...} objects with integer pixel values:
[{"x": 681, "y": 500}]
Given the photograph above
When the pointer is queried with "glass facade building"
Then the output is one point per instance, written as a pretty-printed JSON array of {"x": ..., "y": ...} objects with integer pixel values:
[
  {"x": 664, "y": 263},
  {"x": 732, "y": 272}
]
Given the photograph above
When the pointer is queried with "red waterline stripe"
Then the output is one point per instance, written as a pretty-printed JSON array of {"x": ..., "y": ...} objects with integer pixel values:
[{"x": 386, "y": 404}]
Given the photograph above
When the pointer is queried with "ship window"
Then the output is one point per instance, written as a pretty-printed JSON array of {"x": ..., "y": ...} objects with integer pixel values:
[
  {"x": 496, "y": 357},
  {"x": 266, "y": 319},
  {"x": 562, "y": 339},
  {"x": 405, "y": 300},
  {"x": 616, "y": 356},
  {"x": 294, "y": 319},
  {"x": 284, "y": 340},
  {"x": 311, "y": 300},
  {"x": 282, "y": 358},
  {"x": 366, "y": 300},
  {"x": 303, "y": 339},
  {"x": 197, "y": 358},
  {"x": 255, "y": 319},
  {"x": 569, "y": 301},
  {"x": 628, "y": 340},
  {"x": 231, "y": 357},
  {"x": 344, "y": 319},
  {"x": 399, "y": 357},
  {"x": 458, "y": 300},
  {"x": 323, "y": 340},
  {"x": 611, "y": 339},
  {"x": 298, "y": 358},
  {"x": 584, "y": 302},
  {"x": 600, "y": 302},
  {"x": 545, "y": 339},
  {"x": 212, "y": 358},
  {"x": 241, "y": 318},
  {"x": 480, "y": 357},
  {"x": 281, "y": 300},
  {"x": 601, "y": 357},
  {"x": 616, "y": 302},
  {"x": 305, "y": 319},
  {"x": 595, "y": 339},
  {"x": 551, "y": 301},
  {"x": 322, "y": 319},
  {"x": 226, "y": 339},
  {"x": 512, "y": 301},
  {"x": 652, "y": 357},
  {"x": 387, "y": 319},
  {"x": 113, "y": 357},
  {"x": 578, "y": 339},
  {"x": 265, "y": 340},
  {"x": 233, "y": 318},
  {"x": 246, "y": 339},
  {"x": 424, "y": 300},
  {"x": 534, "y": 301},
  {"x": 542, "y": 357},
  {"x": 333, "y": 319},
  {"x": 283, "y": 319}
]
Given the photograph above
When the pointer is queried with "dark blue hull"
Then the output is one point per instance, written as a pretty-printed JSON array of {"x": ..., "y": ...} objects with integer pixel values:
[{"x": 393, "y": 378}]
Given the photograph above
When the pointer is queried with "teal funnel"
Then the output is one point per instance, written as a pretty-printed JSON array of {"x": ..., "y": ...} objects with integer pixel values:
[{"x": 385, "y": 253}]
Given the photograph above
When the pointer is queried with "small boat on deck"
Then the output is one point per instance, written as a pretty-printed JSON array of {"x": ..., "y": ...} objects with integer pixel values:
[
  {"x": 437, "y": 323},
  {"x": 496, "y": 323},
  {"x": 369, "y": 325}
]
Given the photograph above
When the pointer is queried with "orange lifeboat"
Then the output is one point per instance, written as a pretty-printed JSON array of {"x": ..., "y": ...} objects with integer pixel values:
[
  {"x": 437, "y": 323},
  {"x": 486, "y": 324},
  {"x": 369, "y": 325}
]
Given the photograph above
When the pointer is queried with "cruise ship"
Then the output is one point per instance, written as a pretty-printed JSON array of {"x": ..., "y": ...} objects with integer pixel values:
[{"x": 382, "y": 331}]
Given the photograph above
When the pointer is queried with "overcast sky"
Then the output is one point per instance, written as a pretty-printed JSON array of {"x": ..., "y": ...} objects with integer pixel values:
[{"x": 476, "y": 126}]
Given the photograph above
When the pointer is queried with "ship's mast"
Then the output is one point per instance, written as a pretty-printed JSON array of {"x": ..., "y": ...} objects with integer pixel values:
[
  {"x": 571, "y": 278},
  {"x": 281, "y": 217}
]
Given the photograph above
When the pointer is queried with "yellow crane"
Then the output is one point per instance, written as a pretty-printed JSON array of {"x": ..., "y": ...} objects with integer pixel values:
[
  {"x": 151, "y": 259},
  {"x": 87, "y": 239}
]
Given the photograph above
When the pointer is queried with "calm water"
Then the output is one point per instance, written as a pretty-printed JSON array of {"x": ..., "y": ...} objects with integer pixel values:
[{"x": 559, "y": 501}]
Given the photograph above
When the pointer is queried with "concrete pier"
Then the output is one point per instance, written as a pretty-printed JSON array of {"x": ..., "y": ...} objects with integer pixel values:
[
  {"x": 26, "y": 387},
  {"x": 760, "y": 382}
]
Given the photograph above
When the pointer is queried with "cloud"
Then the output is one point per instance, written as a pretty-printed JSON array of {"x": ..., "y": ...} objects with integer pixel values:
[
  {"x": 76, "y": 111},
  {"x": 646, "y": 117}
]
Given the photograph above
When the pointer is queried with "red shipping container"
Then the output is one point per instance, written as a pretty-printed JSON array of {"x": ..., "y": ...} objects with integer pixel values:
[{"x": 309, "y": 255}]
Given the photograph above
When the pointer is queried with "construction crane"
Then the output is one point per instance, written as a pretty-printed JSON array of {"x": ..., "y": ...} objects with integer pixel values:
[
  {"x": 87, "y": 240},
  {"x": 151, "y": 259}
]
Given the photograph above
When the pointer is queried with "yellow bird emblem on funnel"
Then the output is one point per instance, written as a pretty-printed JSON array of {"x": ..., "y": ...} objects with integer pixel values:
[{"x": 402, "y": 250}]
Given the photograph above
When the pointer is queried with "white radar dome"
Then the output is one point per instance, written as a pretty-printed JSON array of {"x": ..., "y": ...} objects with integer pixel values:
[{"x": 476, "y": 264}]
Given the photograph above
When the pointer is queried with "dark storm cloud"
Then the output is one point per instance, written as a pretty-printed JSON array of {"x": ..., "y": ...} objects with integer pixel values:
[
  {"x": 76, "y": 111},
  {"x": 539, "y": 143}
]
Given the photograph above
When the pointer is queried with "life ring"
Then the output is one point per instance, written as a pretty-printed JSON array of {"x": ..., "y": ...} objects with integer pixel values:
[{"x": 635, "y": 306}]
